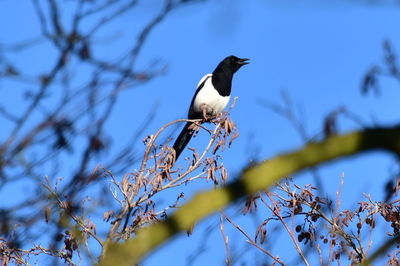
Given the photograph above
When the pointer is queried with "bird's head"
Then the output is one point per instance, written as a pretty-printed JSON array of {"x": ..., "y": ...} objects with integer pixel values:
[{"x": 234, "y": 62}]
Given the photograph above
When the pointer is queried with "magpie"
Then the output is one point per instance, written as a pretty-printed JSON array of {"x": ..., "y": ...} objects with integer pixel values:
[{"x": 211, "y": 97}]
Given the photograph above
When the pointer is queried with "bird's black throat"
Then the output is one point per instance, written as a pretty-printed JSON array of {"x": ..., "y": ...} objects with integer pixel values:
[{"x": 222, "y": 80}]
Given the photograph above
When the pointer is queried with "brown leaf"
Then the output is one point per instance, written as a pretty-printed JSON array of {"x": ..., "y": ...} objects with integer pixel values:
[
  {"x": 233, "y": 138},
  {"x": 47, "y": 213},
  {"x": 92, "y": 226},
  {"x": 217, "y": 146},
  {"x": 125, "y": 184},
  {"x": 224, "y": 174},
  {"x": 108, "y": 215}
]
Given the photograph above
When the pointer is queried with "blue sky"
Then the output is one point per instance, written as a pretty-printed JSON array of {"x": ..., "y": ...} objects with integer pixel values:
[{"x": 316, "y": 52}]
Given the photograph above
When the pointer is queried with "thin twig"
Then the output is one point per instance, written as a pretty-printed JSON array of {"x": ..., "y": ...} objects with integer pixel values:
[
  {"x": 250, "y": 241},
  {"x": 276, "y": 211},
  {"x": 225, "y": 238}
]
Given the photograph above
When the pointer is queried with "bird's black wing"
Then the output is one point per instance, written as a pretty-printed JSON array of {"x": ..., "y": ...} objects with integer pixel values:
[{"x": 186, "y": 134}]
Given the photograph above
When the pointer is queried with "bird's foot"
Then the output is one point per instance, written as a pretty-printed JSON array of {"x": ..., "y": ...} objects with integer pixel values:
[{"x": 206, "y": 113}]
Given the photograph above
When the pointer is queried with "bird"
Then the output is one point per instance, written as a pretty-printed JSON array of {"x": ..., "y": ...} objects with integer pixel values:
[{"x": 211, "y": 97}]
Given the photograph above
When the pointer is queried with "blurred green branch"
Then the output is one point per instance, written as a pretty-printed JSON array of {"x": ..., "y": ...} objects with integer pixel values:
[
  {"x": 382, "y": 249},
  {"x": 256, "y": 178}
]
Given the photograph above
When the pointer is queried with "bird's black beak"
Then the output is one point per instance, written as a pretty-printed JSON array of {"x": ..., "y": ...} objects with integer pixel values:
[{"x": 243, "y": 61}]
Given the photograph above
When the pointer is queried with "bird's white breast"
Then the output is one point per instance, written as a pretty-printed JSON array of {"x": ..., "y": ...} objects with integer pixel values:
[{"x": 209, "y": 96}]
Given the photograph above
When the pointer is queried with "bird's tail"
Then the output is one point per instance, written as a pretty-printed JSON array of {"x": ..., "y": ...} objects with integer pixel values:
[{"x": 182, "y": 140}]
